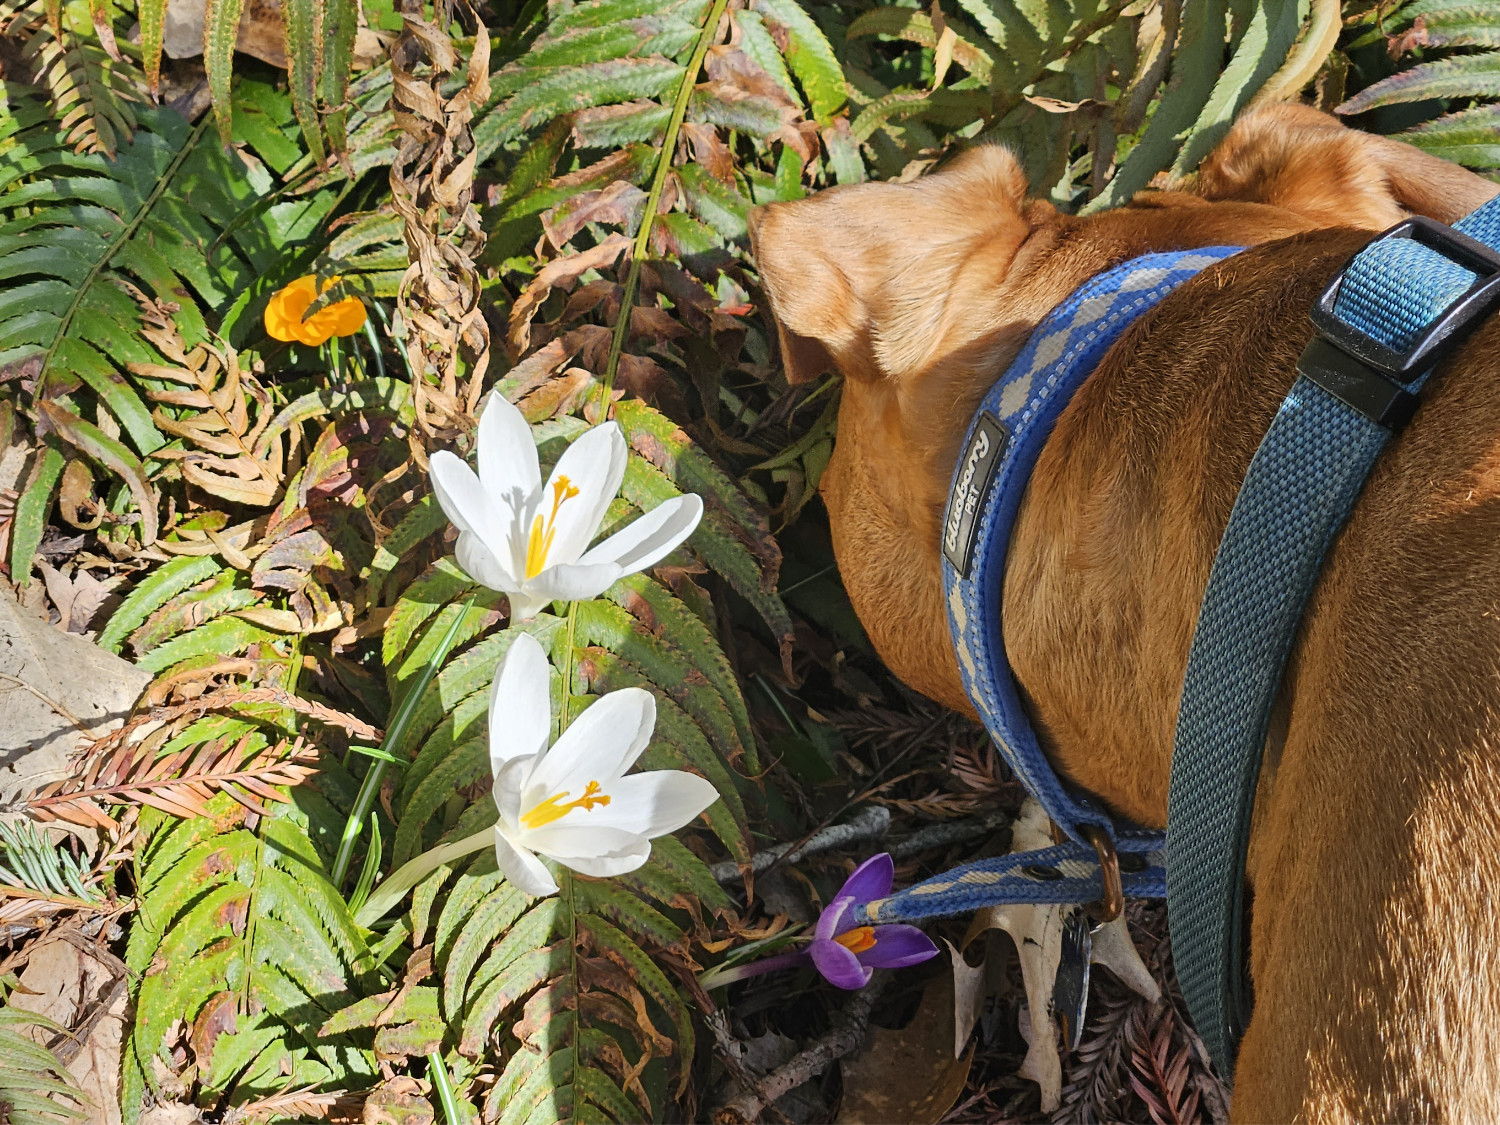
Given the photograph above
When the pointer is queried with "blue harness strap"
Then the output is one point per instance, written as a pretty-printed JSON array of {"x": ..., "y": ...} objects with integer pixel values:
[
  {"x": 1382, "y": 325},
  {"x": 1001, "y": 448}
]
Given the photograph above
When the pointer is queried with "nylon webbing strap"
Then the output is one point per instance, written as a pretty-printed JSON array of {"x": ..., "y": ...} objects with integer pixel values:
[
  {"x": 1297, "y": 495},
  {"x": 1002, "y": 446},
  {"x": 1066, "y": 873}
]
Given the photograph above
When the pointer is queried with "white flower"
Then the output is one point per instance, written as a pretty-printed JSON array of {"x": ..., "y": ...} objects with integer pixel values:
[
  {"x": 574, "y": 802},
  {"x": 528, "y": 540}
]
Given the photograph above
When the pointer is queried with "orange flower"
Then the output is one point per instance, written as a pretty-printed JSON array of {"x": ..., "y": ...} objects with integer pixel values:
[{"x": 285, "y": 312}]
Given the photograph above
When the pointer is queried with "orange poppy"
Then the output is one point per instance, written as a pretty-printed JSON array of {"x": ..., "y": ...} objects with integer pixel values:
[{"x": 285, "y": 312}]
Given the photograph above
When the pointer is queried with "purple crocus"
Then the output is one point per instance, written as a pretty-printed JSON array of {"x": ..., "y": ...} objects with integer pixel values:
[{"x": 847, "y": 954}]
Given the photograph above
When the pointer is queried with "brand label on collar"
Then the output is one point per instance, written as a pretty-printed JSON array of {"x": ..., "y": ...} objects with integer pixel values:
[{"x": 976, "y": 470}]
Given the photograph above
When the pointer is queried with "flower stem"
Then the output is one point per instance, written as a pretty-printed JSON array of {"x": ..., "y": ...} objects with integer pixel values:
[
  {"x": 567, "y": 668},
  {"x": 438, "y": 1073},
  {"x": 413, "y": 871},
  {"x": 706, "y": 38},
  {"x": 718, "y": 978},
  {"x": 393, "y": 735}
]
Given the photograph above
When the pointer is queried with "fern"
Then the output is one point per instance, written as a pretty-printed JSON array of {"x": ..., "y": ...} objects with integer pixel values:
[
  {"x": 35, "y": 1089},
  {"x": 92, "y": 88},
  {"x": 242, "y": 948},
  {"x": 30, "y": 861},
  {"x": 1466, "y": 79},
  {"x": 85, "y": 242}
]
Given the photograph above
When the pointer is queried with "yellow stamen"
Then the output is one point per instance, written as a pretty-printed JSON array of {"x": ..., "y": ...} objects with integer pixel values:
[
  {"x": 549, "y": 810},
  {"x": 858, "y": 939},
  {"x": 543, "y": 529}
]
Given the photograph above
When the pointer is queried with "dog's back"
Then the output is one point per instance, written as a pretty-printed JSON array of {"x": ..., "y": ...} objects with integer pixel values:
[{"x": 1374, "y": 859}]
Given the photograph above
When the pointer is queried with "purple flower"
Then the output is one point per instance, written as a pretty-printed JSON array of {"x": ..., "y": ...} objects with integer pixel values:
[{"x": 844, "y": 953}]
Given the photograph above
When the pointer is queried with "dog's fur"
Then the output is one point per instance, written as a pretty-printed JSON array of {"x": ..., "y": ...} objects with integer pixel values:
[{"x": 1375, "y": 853}]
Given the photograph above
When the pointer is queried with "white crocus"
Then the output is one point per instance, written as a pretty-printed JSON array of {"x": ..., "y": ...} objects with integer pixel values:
[
  {"x": 529, "y": 540},
  {"x": 574, "y": 803}
]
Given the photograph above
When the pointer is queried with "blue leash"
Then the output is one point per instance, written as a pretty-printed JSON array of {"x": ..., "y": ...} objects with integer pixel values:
[{"x": 1383, "y": 323}]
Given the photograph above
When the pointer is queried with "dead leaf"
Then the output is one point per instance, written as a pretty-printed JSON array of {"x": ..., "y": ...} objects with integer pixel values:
[
  {"x": 170, "y": 1113},
  {"x": 560, "y": 272},
  {"x": 908, "y": 1075},
  {"x": 87, "y": 996},
  {"x": 709, "y": 150},
  {"x": 729, "y": 66},
  {"x": 619, "y": 204},
  {"x": 56, "y": 690}
]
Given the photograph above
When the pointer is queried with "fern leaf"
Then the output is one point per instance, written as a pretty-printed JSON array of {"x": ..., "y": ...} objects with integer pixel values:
[
  {"x": 180, "y": 784},
  {"x": 153, "y": 592},
  {"x": 538, "y": 95},
  {"x": 1461, "y": 76},
  {"x": 255, "y": 926},
  {"x": 1471, "y": 137},
  {"x": 1195, "y": 67},
  {"x": 1262, "y": 49},
  {"x": 809, "y": 56}
]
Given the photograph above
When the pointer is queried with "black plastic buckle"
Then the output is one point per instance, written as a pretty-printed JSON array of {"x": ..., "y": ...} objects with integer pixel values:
[{"x": 1374, "y": 377}]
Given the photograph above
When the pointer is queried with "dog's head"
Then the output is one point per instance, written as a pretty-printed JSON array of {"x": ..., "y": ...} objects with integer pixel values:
[{"x": 879, "y": 280}]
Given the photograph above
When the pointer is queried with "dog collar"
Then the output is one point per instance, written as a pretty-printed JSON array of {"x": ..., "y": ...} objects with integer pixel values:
[
  {"x": 1004, "y": 442},
  {"x": 1001, "y": 449}
]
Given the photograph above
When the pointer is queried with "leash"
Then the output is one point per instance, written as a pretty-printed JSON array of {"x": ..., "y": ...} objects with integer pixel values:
[
  {"x": 1392, "y": 314},
  {"x": 1098, "y": 861}
]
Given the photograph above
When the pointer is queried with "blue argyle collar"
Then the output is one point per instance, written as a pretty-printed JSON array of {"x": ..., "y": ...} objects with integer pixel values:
[{"x": 1004, "y": 440}]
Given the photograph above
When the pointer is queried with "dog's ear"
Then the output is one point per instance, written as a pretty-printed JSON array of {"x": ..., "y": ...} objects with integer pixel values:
[
  {"x": 860, "y": 277},
  {"x": 1296, "y": 158}
]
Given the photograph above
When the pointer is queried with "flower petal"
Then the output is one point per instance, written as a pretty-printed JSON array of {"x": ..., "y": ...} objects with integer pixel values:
[
  {"x": 897, "y": 946},
  {"x": 508, "y": 466},
  {"x": 525, "y": 872},
  {"x": 575, "y": 837},
  {"x": 520, "y": 704},
  {"x": 572, "y": 582},
  {"x": 648, "y": 540},
  {"x": 838, "y": 965},
  {"x": 482, "y": 564},
  {"x": 463, "y": 501},
  {"x": 655, "y": 803},
  {"x": 283, "y": 316},
  {"x": 834, "y": 919},
  {"x": 872, "y": 879},
  {"x": 524, "y": 606},
  {"x": 595, "y": 465},
  {"x": 607, "y": 866},
  {"x": 510, "y": 780},
  {"x": 601, "y": 744}
]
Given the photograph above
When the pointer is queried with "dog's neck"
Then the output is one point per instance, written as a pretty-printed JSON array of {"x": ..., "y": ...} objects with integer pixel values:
[{"x": 887, "y": 524}]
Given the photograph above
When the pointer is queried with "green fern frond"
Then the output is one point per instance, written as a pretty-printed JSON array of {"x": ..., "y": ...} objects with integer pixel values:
[
  {"x": 241, "y": 937},
  {"x": 1468, "y": 132},
  {"x": 87, "y": 244},
  {"x": 35, "y": 1088},
  {"x": 28, "y": 859}
]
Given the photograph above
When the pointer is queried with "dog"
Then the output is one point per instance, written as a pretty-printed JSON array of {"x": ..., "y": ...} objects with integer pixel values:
[{"x": 1374, "y": 859}]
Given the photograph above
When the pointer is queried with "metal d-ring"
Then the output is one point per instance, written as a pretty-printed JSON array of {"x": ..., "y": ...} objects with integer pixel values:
[{"x": 1112, "y": 903}]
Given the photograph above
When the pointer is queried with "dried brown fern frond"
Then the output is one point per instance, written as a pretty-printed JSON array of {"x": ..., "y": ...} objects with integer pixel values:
[
  {"x": 179, "y": 783},
  {"x": 1160, "y": 1071},
  {"x": 224, "y": 454}
]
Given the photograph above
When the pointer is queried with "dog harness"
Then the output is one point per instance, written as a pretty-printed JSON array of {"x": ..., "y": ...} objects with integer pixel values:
[
  {"x": 1392, "y": 314},
  {"x": 1383, "y": 323}
]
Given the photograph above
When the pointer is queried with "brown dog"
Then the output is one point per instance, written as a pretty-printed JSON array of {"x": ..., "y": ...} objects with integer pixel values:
[{"x": 1375, "y": 854}]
